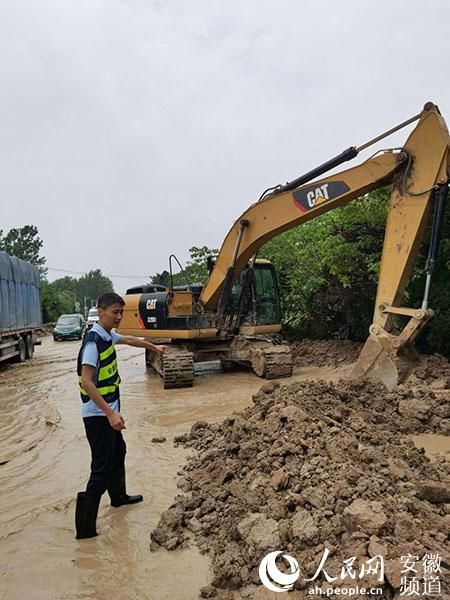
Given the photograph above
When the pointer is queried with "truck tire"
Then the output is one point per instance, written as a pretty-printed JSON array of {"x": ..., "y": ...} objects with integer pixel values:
[
  {"x": 22, "y": 356},
  {"x": 29, "y": 346}
]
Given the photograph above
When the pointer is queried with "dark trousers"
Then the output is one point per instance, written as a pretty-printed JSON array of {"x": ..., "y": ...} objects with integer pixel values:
[{"x": 108, "y": 451}]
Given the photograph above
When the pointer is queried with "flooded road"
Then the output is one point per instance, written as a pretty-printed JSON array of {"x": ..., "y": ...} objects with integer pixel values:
[{"x": 44, "y": 462}]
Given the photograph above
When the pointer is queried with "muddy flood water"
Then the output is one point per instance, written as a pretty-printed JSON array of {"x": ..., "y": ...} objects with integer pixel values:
[{"x": 44, "y": 462}]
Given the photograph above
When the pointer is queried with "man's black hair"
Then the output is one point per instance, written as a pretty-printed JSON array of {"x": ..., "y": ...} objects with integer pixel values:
[{"x": 109, "y": 298}]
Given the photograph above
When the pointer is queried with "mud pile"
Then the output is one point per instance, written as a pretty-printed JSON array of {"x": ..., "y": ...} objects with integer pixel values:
[
  {"x": 325, "y": 353},
  {"x": 432, "y": 370},
  {"x": 309, "y": 466}
]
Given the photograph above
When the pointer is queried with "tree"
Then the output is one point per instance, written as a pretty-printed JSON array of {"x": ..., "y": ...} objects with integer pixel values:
[
  {"x": 89, "y": 286},
  {"x": 66, "y": 283},
  {"x": 54, "y": 302},
  {"x": 196, "y": 270},
  {"x": 69, "y": 294},
  {"x": 328, "y": 269},
  {"x": 92, "y": 285},
  {"x": 162, "y": 278},
  {"x": 25, "y": 243}
]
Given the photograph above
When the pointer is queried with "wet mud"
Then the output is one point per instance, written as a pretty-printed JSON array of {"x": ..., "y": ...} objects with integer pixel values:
[
  {"x": 316, "y": 465},
  {"x": 433, "y": 371},
  {"x": 325, "y": 353},
  {"x": 44, "y": 462}
]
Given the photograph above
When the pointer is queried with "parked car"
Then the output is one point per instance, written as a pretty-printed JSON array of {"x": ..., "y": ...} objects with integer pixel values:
[
  {"x": 69, "y": 327},
  {"x": 92, "y": 317}
]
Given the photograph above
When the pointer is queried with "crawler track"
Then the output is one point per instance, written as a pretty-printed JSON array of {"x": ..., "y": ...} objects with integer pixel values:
[
  {"x": 278, "y": 362},
  {"x": 177, "y": 369},
  {"x": 271, "y": 361}
]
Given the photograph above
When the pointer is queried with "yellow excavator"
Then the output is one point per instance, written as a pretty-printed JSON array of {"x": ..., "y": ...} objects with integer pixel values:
[{"x": 236, "y": 316}]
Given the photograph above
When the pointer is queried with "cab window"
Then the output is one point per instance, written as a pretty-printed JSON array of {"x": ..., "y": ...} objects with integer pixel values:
[{"x": 268, "y": 308}]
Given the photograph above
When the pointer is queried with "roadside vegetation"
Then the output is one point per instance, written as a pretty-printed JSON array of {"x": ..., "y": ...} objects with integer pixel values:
[{"x": 64, "y": 295}]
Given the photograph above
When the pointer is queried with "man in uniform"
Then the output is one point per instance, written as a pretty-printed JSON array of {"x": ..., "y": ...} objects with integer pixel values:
[{"x": 99, "y": 381}]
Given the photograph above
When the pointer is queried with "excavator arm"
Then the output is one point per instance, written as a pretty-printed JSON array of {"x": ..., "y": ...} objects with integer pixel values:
[
  {"x": 276, "y": 214},
  {"x": 418, "y": 173}
]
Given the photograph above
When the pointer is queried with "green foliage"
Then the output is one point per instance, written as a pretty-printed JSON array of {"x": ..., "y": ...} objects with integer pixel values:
[
  {"x": 24, "y": 243},
  {"x": 66, "y": 284},
  {"x": 75, "y": 294},
  {"x": 93, "y": 285},
  {"x": 328, "y": 269},
  {"x": 162, "y": 278},
  {"x": 54, "y": 302},
  {"x": 195, "y": 271},
  {"x": 436, "y": 334}
]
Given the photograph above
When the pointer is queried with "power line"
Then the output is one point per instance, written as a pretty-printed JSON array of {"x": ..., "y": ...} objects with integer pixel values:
[{"x": 106, "y": 274}]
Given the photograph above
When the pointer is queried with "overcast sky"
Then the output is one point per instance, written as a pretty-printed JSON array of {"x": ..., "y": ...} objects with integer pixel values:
[{"x": 130, "y": 130}]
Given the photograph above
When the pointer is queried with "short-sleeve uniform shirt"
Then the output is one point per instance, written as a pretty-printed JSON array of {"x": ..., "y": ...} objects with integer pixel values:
[{"x": 90, "y": 357}]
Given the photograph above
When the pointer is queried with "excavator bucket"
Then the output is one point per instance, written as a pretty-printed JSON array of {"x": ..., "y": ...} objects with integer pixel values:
[{"x": 375, "y": 362}]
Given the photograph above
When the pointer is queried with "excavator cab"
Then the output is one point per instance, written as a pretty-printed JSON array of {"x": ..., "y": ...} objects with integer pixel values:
[{"x": 257, "y": 302}]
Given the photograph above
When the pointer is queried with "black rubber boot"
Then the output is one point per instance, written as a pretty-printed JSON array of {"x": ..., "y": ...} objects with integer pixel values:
[
  {"x": 117, "y": 490},
  {"x": 86, "y": 516}
]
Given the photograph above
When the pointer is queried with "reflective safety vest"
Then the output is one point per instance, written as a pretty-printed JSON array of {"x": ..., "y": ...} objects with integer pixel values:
[{"x": 106, "y": 377}]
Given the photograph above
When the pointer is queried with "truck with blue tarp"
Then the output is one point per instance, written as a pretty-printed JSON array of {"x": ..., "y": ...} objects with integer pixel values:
[{"x": 20, "y": 308}]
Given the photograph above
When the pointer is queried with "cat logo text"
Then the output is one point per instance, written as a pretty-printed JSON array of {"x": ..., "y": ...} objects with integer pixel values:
[{"x": 313, "y": 196}]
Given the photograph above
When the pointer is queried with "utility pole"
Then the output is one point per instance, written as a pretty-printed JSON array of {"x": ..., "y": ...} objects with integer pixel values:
[
  {"x": 85, "y": 305},
  {"x": 76, "y": 304}
]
